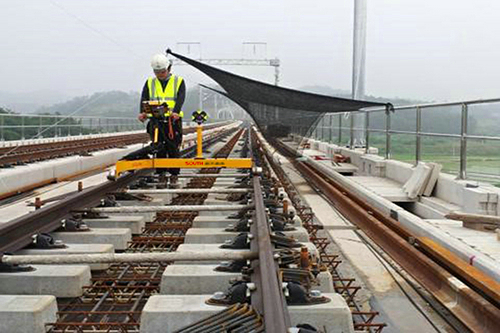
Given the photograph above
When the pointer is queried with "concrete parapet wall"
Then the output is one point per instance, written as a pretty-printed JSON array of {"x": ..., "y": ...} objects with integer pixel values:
[
  {"x": 450, "y": 189},
  {"x": 398, "y": 171},
  {"x": 483, "y": 200},
  {"x": 372, "y": 165}
]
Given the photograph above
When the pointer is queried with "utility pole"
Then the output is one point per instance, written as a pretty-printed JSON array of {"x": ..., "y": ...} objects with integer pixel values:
[
  {"x": 359, "y": 50},
  {"x": 358, "y": 69}
]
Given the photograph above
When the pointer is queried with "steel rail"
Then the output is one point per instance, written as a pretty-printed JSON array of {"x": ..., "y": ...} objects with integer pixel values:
[
  {"x": 269, "y": 299},
  {"x": 345, "y": 286},
  {"x": 17, "y": 233},
  {"x": 469, "y": 307}
]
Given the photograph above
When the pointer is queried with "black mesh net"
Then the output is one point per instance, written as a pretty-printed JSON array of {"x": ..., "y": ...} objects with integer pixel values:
[{"x": 276, "y": 110}]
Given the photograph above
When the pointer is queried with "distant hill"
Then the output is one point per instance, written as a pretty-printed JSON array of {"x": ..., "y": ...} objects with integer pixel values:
[
  {"x": 126, "y": 104},
  {"x": 103, "y": 104},
  {"x": 326, "y": 90},
  {"x": 112, "y": 104},
  {"x": 31, "y": 101},
  {"x": 483, "y": 119}
]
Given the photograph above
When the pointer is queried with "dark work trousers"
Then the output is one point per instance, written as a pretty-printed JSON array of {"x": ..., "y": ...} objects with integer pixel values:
[{"x": 166, "y": 147}]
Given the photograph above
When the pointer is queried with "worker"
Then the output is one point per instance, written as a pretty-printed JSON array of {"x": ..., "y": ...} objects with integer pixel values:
[{"x": 169, "y": 90}]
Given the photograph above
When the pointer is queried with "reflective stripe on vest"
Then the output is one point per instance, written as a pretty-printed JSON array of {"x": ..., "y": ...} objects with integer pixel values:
[{"x": 169, "y": 94}]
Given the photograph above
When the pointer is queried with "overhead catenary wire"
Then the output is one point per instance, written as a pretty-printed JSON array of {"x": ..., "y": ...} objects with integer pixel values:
[{"x": 97, "y": 31}]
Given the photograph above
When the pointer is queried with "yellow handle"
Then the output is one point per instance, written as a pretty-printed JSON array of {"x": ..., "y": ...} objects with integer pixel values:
[
  {"x": 156, "y": 135},
  {"x": 199, "y": 148}
]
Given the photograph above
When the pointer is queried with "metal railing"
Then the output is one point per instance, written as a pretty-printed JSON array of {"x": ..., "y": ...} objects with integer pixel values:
[
  {"x": 460, "y": 135},
  {"x": 15, "y": 126}
]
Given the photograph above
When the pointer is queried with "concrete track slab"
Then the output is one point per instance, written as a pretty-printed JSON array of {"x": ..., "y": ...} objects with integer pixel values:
[
  {"x": 167, "y": 313},
  {"x": 23, "y": 313},
  {"x": 118, "y": 237},
  {"x": 219, "y": 235},
  {"x": 134, "y": 223},
  {"x": 212, "y": 222},
  {"x": 194, "y": 280},
  {"x": 57, "y": 280},
  {"x": 204, "y": 279}
]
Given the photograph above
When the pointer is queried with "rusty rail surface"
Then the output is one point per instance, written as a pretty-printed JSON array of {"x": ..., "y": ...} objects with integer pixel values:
[{"x": 469, "y": 307}]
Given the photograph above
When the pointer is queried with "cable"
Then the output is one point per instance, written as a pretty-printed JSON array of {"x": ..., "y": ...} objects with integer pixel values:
[{"x": 88, "y": 26}]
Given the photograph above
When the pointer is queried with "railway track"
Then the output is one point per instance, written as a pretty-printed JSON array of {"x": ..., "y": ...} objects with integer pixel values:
[
  {"x": 168, "y": 268},
  {"x": 274, "y": 274}
]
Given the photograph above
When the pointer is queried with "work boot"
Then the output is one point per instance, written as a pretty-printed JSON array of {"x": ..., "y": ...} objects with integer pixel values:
[
  {"x": 162, "y": 181},
  {"x": 173, "y": 181}
]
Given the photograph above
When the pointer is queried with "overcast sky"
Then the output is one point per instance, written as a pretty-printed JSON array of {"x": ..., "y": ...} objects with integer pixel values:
[{"x": 421, "y": 49}]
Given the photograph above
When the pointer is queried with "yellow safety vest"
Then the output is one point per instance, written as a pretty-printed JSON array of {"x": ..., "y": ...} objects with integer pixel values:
[{"x": 167, "y": 95}]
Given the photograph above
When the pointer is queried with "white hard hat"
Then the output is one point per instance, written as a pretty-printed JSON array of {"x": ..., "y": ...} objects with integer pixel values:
[{"x": 159, "y": 62}]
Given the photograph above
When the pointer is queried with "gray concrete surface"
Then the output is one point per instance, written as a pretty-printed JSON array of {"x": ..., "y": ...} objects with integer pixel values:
[
  {"x": 118, "y": 237},
  {"x": 204, "y": 279},
  {"x": 194, "y": 280},
  {"x": 219, "y": 235},
  {"x": 134, "y": 223},
  {"x": 213, "y": 222},
  {"x": 23, "y": 314},
  {"x": 166, "y": 313},
  {"x": 60, "y": 281}
]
